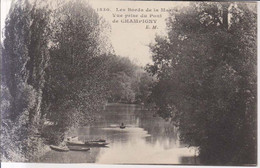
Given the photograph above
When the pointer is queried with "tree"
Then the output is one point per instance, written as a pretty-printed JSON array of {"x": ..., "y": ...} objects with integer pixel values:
[
  {"x": 122, "y": 75},
  {"x": 206, "y": 70},
  {"x": 128, "y": 83},
  {"x": 78, "y": 66},
  {"x": 25, "y": 57},
  {"x": 143, "y": 87}
]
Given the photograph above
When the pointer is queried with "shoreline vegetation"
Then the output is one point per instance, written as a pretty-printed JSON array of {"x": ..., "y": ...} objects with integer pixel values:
[
  {"x": 206, "y": 68},
  {"x": 59, "y": 70}
]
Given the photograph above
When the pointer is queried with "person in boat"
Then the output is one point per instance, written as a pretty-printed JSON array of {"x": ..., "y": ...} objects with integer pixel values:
[{"x": 122, "y": 126}]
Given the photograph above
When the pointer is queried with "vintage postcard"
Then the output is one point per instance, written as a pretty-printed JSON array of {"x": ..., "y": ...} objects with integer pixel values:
[{"x": 129, "y": 82}]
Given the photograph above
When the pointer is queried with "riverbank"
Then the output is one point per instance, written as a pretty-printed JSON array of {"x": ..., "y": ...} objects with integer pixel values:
[
  {"x": 41, "y": 152},
  {"x": 39, "y": 149}
]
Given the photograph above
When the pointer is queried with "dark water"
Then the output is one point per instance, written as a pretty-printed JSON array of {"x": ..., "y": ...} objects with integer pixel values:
[{"x": 145, "y": 140}]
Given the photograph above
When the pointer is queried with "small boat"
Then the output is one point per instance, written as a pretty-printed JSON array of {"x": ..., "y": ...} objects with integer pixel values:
[
  {"x": 59, "y": 148},
  {"x": 75, "y": 143},
  {"x": 78, "y": 148},
  {"x": 122, "y": 126},
  {"x": 73, "y": 138},
  {"x": 100, "y": 140},
  {"x": 96, "y": 144}
]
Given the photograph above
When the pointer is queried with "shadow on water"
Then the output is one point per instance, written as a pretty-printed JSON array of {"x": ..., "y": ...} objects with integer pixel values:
[{"x": 145, "y": 140}]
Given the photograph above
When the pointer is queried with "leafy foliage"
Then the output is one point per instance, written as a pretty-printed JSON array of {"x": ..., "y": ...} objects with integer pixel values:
[
  {"x": 58, "y": 72},
  {"x": 24, "y": 59},
  {"x": 76, "y": 74},
  {"x": 129, "y": 83},
  {"x": 206, "y": 70}
]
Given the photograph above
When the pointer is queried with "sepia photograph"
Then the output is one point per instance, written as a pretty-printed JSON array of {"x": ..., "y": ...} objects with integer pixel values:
[{"x": 129, "y": 82}]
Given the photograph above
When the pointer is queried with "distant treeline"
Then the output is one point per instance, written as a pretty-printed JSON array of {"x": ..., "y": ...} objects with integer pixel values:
[
  {"x": 206, "y": 68},
  {"x": 58, "y": 70},
  {"x": 129, "y": 83}
]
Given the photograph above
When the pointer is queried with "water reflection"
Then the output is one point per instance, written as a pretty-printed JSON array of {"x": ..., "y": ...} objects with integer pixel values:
[{"x": 146, "y": 139}]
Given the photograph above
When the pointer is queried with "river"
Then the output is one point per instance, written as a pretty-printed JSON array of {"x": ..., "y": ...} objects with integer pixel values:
[{"x": 145, "y": 140}]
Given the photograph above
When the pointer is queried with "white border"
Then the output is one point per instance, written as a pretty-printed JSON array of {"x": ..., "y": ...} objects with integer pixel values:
[{"x": 81, "y": 165}]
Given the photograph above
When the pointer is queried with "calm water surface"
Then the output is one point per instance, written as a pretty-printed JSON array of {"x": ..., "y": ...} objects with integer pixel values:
[{"x": 145, "y": 140}]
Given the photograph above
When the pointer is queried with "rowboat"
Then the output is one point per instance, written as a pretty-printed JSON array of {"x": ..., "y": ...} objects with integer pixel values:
[
  {"x": 59, "y": 148},
  {"x": 96, "y": 144},
  {"x": 78, "y": 148},
  {"x": 75, "y": 143},
  {"x": 73, "y": 138},
  {"x": 100, "y": 140}
]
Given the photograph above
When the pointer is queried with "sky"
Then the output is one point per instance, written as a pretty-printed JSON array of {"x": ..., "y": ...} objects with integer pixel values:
[
  {"x": 132, "y": 40},
  {"x": 128, "y": 39},
  {"x": 5, "y": 6}
]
